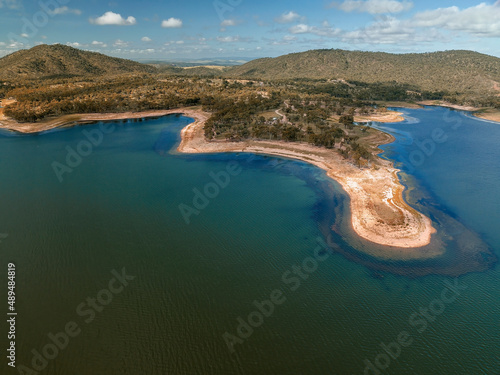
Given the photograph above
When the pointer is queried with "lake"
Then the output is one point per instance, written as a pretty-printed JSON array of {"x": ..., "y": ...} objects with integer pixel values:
[{"x": 133, "y": 259}]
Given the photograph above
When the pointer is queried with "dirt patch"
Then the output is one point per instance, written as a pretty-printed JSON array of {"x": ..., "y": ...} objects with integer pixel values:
[
  {"x": 489, "y": 114},
  {"x": 5, "y": 103}
]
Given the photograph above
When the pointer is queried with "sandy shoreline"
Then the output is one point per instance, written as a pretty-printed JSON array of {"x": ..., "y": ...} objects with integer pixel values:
[
  {"x": 379, "y": 213},
  {"x": 68, "y": 120},
  {"x": 385, "y": 117},
  {"x": 493, "y": 115},
  {"x": 378, "y": 116},
  {"x": 439, "y": 103}
]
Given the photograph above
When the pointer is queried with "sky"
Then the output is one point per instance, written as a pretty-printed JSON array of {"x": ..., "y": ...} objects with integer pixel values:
[{"x": 196, "y": 29}]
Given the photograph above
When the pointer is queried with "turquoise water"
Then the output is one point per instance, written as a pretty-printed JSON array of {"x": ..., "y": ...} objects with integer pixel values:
[{"x": 119, "y": 208}]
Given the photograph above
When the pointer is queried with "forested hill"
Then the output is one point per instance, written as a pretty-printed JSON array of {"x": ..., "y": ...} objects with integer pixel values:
[
  {"x": 59, "y": 60},
  {"x": 453, "y": 71}
]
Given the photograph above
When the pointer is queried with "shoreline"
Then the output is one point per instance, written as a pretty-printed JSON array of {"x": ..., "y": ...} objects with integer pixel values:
[
  {"x": 440, "y": 103},
  {"x": 389, "y": 117},
  {"x": 379, "y": 213},
  {"x": 489, "y": 114},
  {"x": 81, "y": 119}
]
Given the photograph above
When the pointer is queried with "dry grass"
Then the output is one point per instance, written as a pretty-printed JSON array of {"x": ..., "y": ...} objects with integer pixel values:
[
  {"x": 215, "y": 67},
  {"x": 5, "y": 103},
  {"x": 490, "y": 114},
  {"x": 441, "y": 103}
]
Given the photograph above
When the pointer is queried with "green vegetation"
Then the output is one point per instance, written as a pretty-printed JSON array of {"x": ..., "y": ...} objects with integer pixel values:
[
  {"x": 63, "y": 61},
  {"x": 458, "y": 76},
  {"x": 237, "y": 107},
  {"x": 39, "y": 99},
  {"x": 312, "y": 96}
]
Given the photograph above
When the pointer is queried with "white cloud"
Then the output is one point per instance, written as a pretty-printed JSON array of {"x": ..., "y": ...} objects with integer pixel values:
[
  {"x": 287, "y": 39},
  {"x": 228, "y": 39},
  {"x": 430, "y": 26},
  {"x": 146, "y": 39},
  {"x": 390, "y": 30},
  {"x": 226, "y": 23},
  {"x": 300, "y": 29},
  {"x": 288, "y": 17},
  {"x": 482, "y": 20},
  {"x": 64, "y": 10},
  {"x": 374, "y": 6},
  {"x": 172, "y": 23},
  {"x": 479, "y": 20},
  {"x": 120, "y": 43},
  {"x": 325, "y": 30},
  {"x": 99, "y": 44},
  {"x": 24, "y": 35},
  {"x": 110, "y": 18},
  {"x": 174, "y": 42},
  {"x": 16, "y": 45},
  {"x": 11, "y": 4},
  {"x": 74, "y": 44}
]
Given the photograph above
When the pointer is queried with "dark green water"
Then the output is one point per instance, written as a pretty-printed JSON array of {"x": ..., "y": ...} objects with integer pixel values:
[{"x": 120, "y": 208}]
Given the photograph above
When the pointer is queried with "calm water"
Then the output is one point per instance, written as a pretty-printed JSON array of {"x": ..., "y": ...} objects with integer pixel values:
[{"x": 120, "y": 208}]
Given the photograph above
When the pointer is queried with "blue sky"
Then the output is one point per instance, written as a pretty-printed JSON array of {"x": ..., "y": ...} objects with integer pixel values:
[{"x": 169, "y": 30}]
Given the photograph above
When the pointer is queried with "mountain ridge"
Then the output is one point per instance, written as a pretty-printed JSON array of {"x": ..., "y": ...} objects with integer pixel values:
[
  {"x": 454, "y": 70},
  {"x": 60, "y": 60},
  {"x": 462, "y": 72}
]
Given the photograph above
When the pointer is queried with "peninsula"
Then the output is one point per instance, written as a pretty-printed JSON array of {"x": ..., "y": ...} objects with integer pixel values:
[{"x": 378, "y": 211}]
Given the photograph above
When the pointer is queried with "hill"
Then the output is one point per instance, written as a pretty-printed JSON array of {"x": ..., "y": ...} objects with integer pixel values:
[
  {"x": 453, "y": 71},
  {"x": 59, "y": 60}
]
